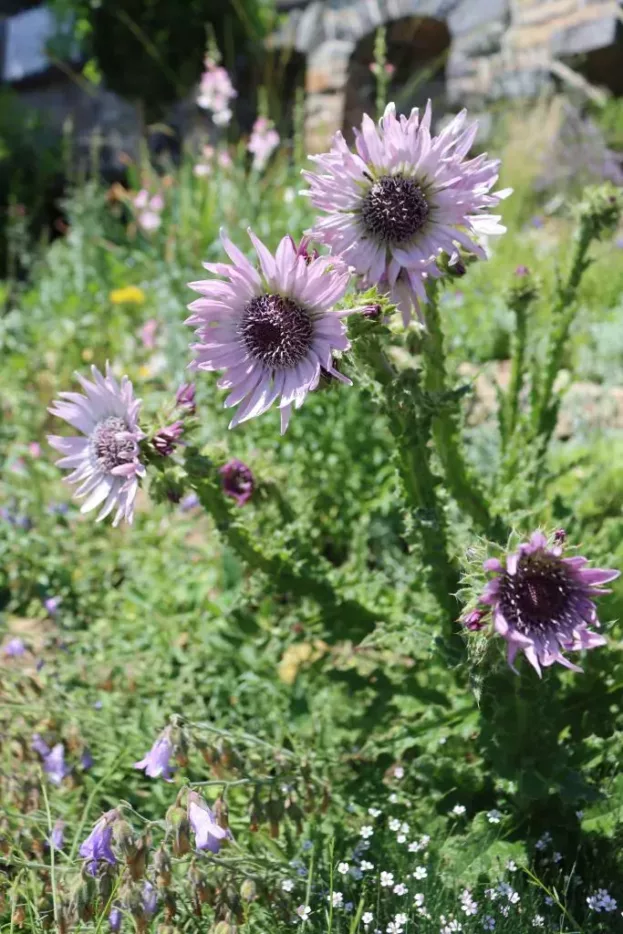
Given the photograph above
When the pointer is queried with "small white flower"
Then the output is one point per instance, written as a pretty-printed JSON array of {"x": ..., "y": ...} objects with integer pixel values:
[
  {"x": 514, "y": 898},
  {"x": 548, "y": 900},
  {"x": 366, "y": 831},
  {"x": 367, "y": 918},
  {"x": 393, "y": 928},
  {"x": 556, "y": 858},
  {"x": 404, "y": 827},
  {"x": 303, "y": 911},
  {"x": 494, "y": 817},
  {"x": 400, "y": 889},
  {"x": 511, "y": 865},
  {"x": 336, "y": 899},
  {"x": 543, "y": 841},
  {"x": 424, "y": 841},
  {"x": 418, "y": 899},
  {"x": 579, "y": 814},
  {"x": 468, "y": 904},
  {"x": 343, "y": 869},
  {"x": 374, "y": 812},
  {"x": 287, "y": 885},
  {"x": 365, "y": 866},
  {"x": 443, "y": 740},
  {"x": 601, "y": 900},
  {"x": 505, "y": 910},
  {"x": 401, "y": 838},
  {"x": 414, "y": 847},
  {"x": 488, "y": 923},
  {"x": 387, "y": 879},
  {"x": 393, "y": 798},
  {"x": 401, "y": 919},
  {"x": 538, "y": 921},
  {"x": 399, "y": 772},
  {"x": 458, "y": 810},
  {"x": 420, "y": 872},
  {"x": 394, "y": 824}
]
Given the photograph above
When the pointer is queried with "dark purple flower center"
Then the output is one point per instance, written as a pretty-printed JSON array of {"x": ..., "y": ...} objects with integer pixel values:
[
  {"x": 276, "y": 330},
  {"x": 110, "y": 445},
  {"x": 394, "y": 209},
  {"x": 542, "y": 595}
]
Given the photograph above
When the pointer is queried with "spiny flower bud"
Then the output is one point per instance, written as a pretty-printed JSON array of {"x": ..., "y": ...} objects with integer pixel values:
[
  {"x": 162, "y": 867},
  {"x": 248, "y": 890},
  {"x": 138, "y": 862},
  {"x": 169, "y": 905},
  {"x": 221, "y": 812},
  {"x": 185, "y": 398},
  {"x": 179, "y": 829},
  {"x": 600, "y": 210},
  {"x": 474, "y": 620},
  {"x": 165, "y": 440},
  {"x": 123, "y": 836}
]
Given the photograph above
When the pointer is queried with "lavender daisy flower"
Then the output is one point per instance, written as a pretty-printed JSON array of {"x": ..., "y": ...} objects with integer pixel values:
[
  {"x": 97, "y": 846},
  {"x": 271, "y": 331},
  {"x": 403, "y": 198},
  {"x": 237, "y": 481},
  {"x": 14, "y": 647},
  {"x": 54, "y": 764},
  {"x": 208, "y": 834},
  {"x": 156, "y": 763},
  {"x": 105, "y": 462},
  {"x": 542, "y": 603}
]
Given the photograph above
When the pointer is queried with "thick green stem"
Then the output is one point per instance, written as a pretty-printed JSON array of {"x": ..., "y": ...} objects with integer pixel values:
[
  {"x": 446, "y": 432},
  {"x": 301, "y": 582},
  {"x": 517, "y": 371},
  {"x": 564, "y": 314}
]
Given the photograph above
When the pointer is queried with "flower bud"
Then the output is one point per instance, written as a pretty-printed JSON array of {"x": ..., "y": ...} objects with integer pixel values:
[
  {"x": 274, "y": 813},
  {"x": 185, "y": 398},
  {"x": 474, "y": 620},
  {"x": 248, "y": 890},
  {"x": 221, "y": 812},
  {"x": 162, "y": 867},
  {"x": 295, "y": 813},
  {"x": 123, "y": 836},
  {"x": 179, "y": 829},
  {"x": 165, "y": 440},
  {"x": 137, "y": 863},
  {"x": 19, "y": 916}
]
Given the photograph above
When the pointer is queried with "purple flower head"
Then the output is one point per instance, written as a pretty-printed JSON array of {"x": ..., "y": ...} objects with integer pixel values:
[
  {"x": 189, "y": 502},
  {"x": 270, "y": 331},
  {"x": 303, "y": 249},
  {"x": 402, "y": 198},
  {"x": 148, "y": 333},
  {"x": 14, "y": 647},
  {"x": 57, "y": 836},
  {"x": 105, "y": 461},
  {"x": 86, "y": 759},
  {"x": 97, "y": 846},
  {"x": 54, "y": 764},
  {"x": 165, "y": 440},
  {"x": 208, "y": 834},
  {"x": 237, "y": 481},
  {"x": 114, "y": 919},
  {"x": 542, "y": 603},
  {"x": 263, "y": 141},
  {"x": 522, "y": 271},
  {"x": 619, "y": 243},
  {"x": 52, "y": 604},
  {"x": 474, "y": 620},
  {"x": 156, "y": 763},
  {"x": 185, "y": 398},
  {"x": 150, "y": 899}
]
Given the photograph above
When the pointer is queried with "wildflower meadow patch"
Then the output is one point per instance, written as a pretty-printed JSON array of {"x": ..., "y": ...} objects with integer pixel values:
[{"x": 355, "y": 664}]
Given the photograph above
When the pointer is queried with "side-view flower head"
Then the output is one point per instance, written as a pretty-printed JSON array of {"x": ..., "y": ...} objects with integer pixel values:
[
  {"x": 403, "y": 198},
  {"x": 271, "y": 330},
  {"x": 156, "y": 762},
  {"x": 208, "y": 834},
  {"x": 542, "y": 602},
  {"x": 104, "y": 462}
]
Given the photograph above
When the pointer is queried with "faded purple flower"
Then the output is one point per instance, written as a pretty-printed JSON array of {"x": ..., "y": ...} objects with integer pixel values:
[
  {"x": 52, "y": 604},
  {"x": 57, "y": 836},
  {"x": 105, "y": 462},
  {"x": 208, "y": 834},
  {"x": 114, "y": 919},
  {"x": 54, "y": 764},
  {"x": 39, "y": 745},
  {"x": 150, "y": 899},
  {"x": 86, "y": 759},
  {"x": 270, "y": 331},
  {"x": 97, "y": 846},
  {"x": 185, "y": 397},
  {"x": 189, "y": 502},
  {"x": 14, "y": 647},
  {"x": 156, "y": 763},
  {"x": 403, "y": 198},
  {"x": 263, "y": 141},
  {"x": 542, "y": 603},
  {"x": 216, "y": 92},
  {"x": 237, "y": 481},
  {"x": 148, "y": 333},
  {"x": 165, "y": 440}
]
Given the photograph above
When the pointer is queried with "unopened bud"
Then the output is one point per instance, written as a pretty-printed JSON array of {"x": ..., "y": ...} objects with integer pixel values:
[
  {"x": 166, "y": 439},
  {"x": 124, "y": 838},
  {"x": 560, "y": 537},
  {"x": 372, "y": 312},
  {"x": 162, "y": 867},
  {"x": 221, "y": 812},
  {"x": 179, "y": 829},
  {"x": 474, "y": 620},
  {"x": 295, "y": 813},
  {"x": 248, "y": 890},
  {"x": 19, "y": 916},
  {"x": 137, "y": 863},
  {"x": 274, "y": 813},
  {"x": 185, "y": 398}
]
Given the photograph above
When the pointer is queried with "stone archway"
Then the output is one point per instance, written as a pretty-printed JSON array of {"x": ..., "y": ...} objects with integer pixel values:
[{"x": 417, "y": 51}]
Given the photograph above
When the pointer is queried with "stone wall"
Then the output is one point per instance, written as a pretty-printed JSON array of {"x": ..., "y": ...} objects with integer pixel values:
[{"x": 498, "y": 48}]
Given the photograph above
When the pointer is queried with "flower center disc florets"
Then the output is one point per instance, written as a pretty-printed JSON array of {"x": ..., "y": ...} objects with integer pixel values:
[
  {"x": 540, "y": 595},
  {"x": 110, "y": 445},
  {"x": 394, "y": 209},
  {"x": 276, "y": 330}
]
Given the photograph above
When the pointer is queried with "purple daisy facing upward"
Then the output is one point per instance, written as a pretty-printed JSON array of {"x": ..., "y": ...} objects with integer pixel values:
[
  {"x": 272, "y": 330},
  {"x": 542, "y": 603},
  {"x": 403, "y": 198},
  {"x": 105, "y": 461}
]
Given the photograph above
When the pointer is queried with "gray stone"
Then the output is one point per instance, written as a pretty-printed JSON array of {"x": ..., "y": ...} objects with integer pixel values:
[
  {"x": 583, "y": 37},
  {"x": 471, "y": 14},
  {"x": 483, "y": 41},
  {"x": 310, "y": 30}
]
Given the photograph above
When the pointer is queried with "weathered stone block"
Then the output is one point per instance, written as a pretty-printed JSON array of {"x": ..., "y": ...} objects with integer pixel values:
[
  {"x": 583, "y": 37},
  {"x": 471, "y": 14}
]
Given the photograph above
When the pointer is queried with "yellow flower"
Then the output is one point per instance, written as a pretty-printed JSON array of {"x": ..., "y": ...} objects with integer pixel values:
[
  {"x": 129, "y": 295},
  {"x": 87, "y": 354},
  {"x": 297, "y": 655}
]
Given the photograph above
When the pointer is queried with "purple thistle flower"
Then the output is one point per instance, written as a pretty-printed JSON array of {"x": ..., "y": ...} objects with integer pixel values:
[
  {"x": 189, "y": 502},
  {"x": 208, "y": 834},
  {"x": 156, "y": 763},
  {"x": 237, "y": 480},
  {"x": 165, "y": 440},
  {"x": 271, "y": 331},
  {"x": 185, "y": 397},
  {"x": 114, "y": 919},
  {"x": 97, "y": 846},
  {"x": 39, "y": 745},
  {"x": 105, "y": 462},
  {"x": 542, "y": 603},
  {"x": 474, "y": 620},
  {"x": 54, "y": 764},
  {"x": 402, "y": 198},
  {"x": 14, "y": 647},
  {"x": 150, "y": 899},
  {"x": 52, "y": 604},
  {"x": 57, "y": 836}
]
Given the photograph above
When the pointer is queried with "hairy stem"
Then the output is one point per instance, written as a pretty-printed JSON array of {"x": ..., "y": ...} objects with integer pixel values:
[
  {"x": 517, "y": 371},
  {"x": 446, "y": 433}
]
